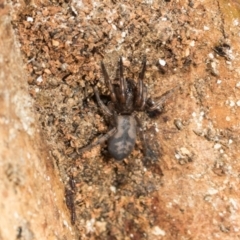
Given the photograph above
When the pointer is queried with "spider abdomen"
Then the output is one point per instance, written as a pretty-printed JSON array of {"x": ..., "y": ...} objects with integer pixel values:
[{"x": 121, "y": 144}]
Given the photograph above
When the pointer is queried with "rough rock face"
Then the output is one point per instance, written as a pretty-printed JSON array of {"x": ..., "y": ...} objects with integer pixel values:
[
  {"x": 191, "y": 191},
  {"x": 32, "y": 200}
]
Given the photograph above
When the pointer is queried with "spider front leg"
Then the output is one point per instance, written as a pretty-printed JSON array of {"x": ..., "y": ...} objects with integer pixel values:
[
  {"x": 141, "y": 93},
  {"x": 158, "y": 105},
  {"x": 105, "y": 109},
  {"x": 123, "y": 84},
  {"x": 100, "y": 139},
  {"x": 109, "y": 83}
]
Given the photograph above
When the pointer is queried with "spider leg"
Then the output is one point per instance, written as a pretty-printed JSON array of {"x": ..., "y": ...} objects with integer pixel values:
[
  {"x": 122, "y": 83},
  {"x": 140, "y": 86},
  {"x": 105, "y": 109},
  {"x": 144, "y": 98},
  {"x": 109, "y": 83},
  {"x": 159, "y": 104},
  {"x": 100, "y": 139}
]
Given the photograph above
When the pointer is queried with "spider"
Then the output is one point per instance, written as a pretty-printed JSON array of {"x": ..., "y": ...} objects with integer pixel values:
[{"x": 126, "y": 96}]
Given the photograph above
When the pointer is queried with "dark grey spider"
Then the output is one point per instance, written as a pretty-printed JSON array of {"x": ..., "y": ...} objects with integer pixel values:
[{"x": 126, "y": 98}]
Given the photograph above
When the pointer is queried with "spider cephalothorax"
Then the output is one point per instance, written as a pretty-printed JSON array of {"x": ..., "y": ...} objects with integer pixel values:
[{"x": 126, "y": 97}]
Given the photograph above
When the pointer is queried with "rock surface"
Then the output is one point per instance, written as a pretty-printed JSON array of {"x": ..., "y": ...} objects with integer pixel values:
[{"x": 191, "y": 191}]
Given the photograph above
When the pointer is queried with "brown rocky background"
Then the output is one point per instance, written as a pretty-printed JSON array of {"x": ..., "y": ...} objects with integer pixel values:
[{"x": 50, "y": 55}]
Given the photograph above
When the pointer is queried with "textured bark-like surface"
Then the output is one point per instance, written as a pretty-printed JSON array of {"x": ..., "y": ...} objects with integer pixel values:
[
  {"x": 32, "y": 203},
  {"x": 192, "y": 191}
]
